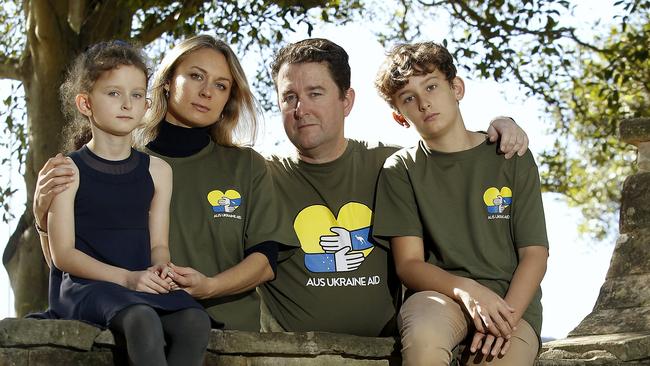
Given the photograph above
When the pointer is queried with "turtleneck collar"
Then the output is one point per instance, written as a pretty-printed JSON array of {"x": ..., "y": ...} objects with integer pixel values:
[{"x": 178, "y": 142}]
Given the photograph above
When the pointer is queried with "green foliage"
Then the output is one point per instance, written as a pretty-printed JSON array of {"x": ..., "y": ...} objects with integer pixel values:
[
  {"x": 13, "y": 142},
  {"x": 588, "y": 163},
  {"x": 12, "y": 30},
  {"x": 588, "y": 87},
  {"x": 156, "y": 24}
]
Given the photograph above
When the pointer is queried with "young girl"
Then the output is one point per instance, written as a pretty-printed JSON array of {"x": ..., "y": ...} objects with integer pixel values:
[
  {"x": 109, "y": 231},
  {"x": 224, "y": 224}
]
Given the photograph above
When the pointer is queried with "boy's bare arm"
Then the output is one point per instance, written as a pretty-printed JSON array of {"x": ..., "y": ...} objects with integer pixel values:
[
  {"x": 527, "y": 277},
  {"x": 489, "y": 312}
]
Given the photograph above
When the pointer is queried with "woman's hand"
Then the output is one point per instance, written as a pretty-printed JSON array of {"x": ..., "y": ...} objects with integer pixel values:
[
  {"x": 54, "y": 178},
  {"x": 147, "y": 281}
]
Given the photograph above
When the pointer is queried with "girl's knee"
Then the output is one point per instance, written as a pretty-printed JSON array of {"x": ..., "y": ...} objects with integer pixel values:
[
  {"x": 197, "y": 319},
  {"x": 188, "y": 324},
  {"x": 137, "y": 317}
]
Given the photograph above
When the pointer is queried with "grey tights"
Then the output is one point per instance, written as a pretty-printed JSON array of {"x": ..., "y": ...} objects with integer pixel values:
[{"x": 146, "y": 333}]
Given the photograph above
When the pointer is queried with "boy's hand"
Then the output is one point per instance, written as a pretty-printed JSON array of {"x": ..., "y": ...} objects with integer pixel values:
[
  {"x": 513, "y": 138},
  {"x": 488, "y": 344},
  {"x": 489, "y": 312}
]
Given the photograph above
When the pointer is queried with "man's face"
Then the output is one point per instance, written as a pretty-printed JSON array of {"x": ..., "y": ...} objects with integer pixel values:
[{"x": 312, "y": 108}]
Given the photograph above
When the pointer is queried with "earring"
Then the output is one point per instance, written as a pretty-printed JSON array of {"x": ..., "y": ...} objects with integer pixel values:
[
  {"x": 401, "y": 120},
  {"x": 166, "y": 89}
]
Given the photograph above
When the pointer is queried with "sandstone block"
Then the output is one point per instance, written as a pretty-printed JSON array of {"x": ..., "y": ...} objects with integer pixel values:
[
  {"x": 631, "y": 255},
  {"x": 14, "y": 357},
  {"x": 32, "y": 332},
  {"x": 622, "y": 346},
  {"x": 307, "y": 344},
  {"x": 322, "y": 360},
  {"x": 63, "y": 357},
  {"x": 635, "y": 203},
  {"x": 624, "y": 292},
  {"x": 610, "y": 321}
]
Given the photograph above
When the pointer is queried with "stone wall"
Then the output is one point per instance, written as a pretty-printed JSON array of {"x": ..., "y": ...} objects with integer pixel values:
[{"x": 30, "y": 342}]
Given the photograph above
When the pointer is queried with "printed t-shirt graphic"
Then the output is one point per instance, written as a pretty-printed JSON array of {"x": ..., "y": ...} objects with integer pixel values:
[
  {"x": 334, "y": 244},
  {"x": 497, "y": 201},
  {"x": 224, "y": 202}
]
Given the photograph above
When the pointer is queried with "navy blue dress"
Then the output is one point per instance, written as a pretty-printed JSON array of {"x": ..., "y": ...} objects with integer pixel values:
[{"x": 111, "y": 213}]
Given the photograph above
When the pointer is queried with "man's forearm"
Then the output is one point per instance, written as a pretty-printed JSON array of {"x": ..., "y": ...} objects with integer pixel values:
[{"x": 246, "y": 275}]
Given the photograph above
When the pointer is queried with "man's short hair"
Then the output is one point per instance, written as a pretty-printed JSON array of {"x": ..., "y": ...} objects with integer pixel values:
[
  {"x": 316, "y": 50},
  {"x": 406, "y": 60}
]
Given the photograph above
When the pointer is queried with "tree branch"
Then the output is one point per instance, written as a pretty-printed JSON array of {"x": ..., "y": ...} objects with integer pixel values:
[
  {"x": 10, "y": 69},
  {"x": 154, "y": 31},
  {"x": 76, "y": 14},
  {"x": 466, "y": 11}
]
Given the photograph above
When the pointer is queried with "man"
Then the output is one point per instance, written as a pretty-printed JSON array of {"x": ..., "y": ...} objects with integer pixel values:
[{"x": 339, "y": 280}]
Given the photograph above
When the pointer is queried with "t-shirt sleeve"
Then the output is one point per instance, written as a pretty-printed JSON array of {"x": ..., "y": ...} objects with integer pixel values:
[
  {"x": 396, "y": 211},
  {"x": 266, "y": 219},
  {"x": 528, "y": 211}
]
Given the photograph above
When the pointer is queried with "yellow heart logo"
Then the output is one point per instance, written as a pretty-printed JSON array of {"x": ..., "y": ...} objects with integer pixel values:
[
  {"x": 224, "y": 202},
  {"x": 497, "y": 200},
  {"x": 317, "y": 221}
]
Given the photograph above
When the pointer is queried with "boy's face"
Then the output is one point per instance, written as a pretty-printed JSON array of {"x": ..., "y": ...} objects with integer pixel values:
[{"x": 430, "y": 103}]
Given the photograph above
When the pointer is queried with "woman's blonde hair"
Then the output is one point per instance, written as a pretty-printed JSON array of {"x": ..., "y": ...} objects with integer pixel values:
[{"x": 239, "y": 115}]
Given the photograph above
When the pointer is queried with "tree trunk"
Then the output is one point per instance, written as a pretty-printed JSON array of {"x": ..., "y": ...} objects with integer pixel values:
[{"x": 50, "y": 44}]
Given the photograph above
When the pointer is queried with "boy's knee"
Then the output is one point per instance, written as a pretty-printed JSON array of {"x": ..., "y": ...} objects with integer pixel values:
[{"x": 431, "y": 325}]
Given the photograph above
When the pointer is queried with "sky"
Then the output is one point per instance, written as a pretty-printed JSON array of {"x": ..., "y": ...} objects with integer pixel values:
[{"x": 576, "y": 267}]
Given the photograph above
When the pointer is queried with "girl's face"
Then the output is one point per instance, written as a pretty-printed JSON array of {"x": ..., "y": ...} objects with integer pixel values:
[
  {"x": 199, "y": 89},
  {"x": 117, "y": 101}
]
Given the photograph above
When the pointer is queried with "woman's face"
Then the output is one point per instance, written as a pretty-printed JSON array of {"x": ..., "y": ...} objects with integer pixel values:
[{"x": 199, "y": 89}]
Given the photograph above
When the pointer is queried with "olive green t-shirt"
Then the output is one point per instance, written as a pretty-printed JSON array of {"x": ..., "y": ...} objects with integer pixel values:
[
  {"x": 339, "y": 280},
  {"x": 473, "y": 209},
  {"x": 222, "y": 204}
]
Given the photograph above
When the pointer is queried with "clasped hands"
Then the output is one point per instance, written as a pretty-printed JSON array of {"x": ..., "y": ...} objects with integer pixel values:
[
  {"x": 165, "y": 277},
  {"x": 494, "y": 320}
]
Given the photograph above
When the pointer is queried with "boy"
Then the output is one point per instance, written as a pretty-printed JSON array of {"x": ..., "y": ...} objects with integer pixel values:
[{"x": 466, "y": 226}]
